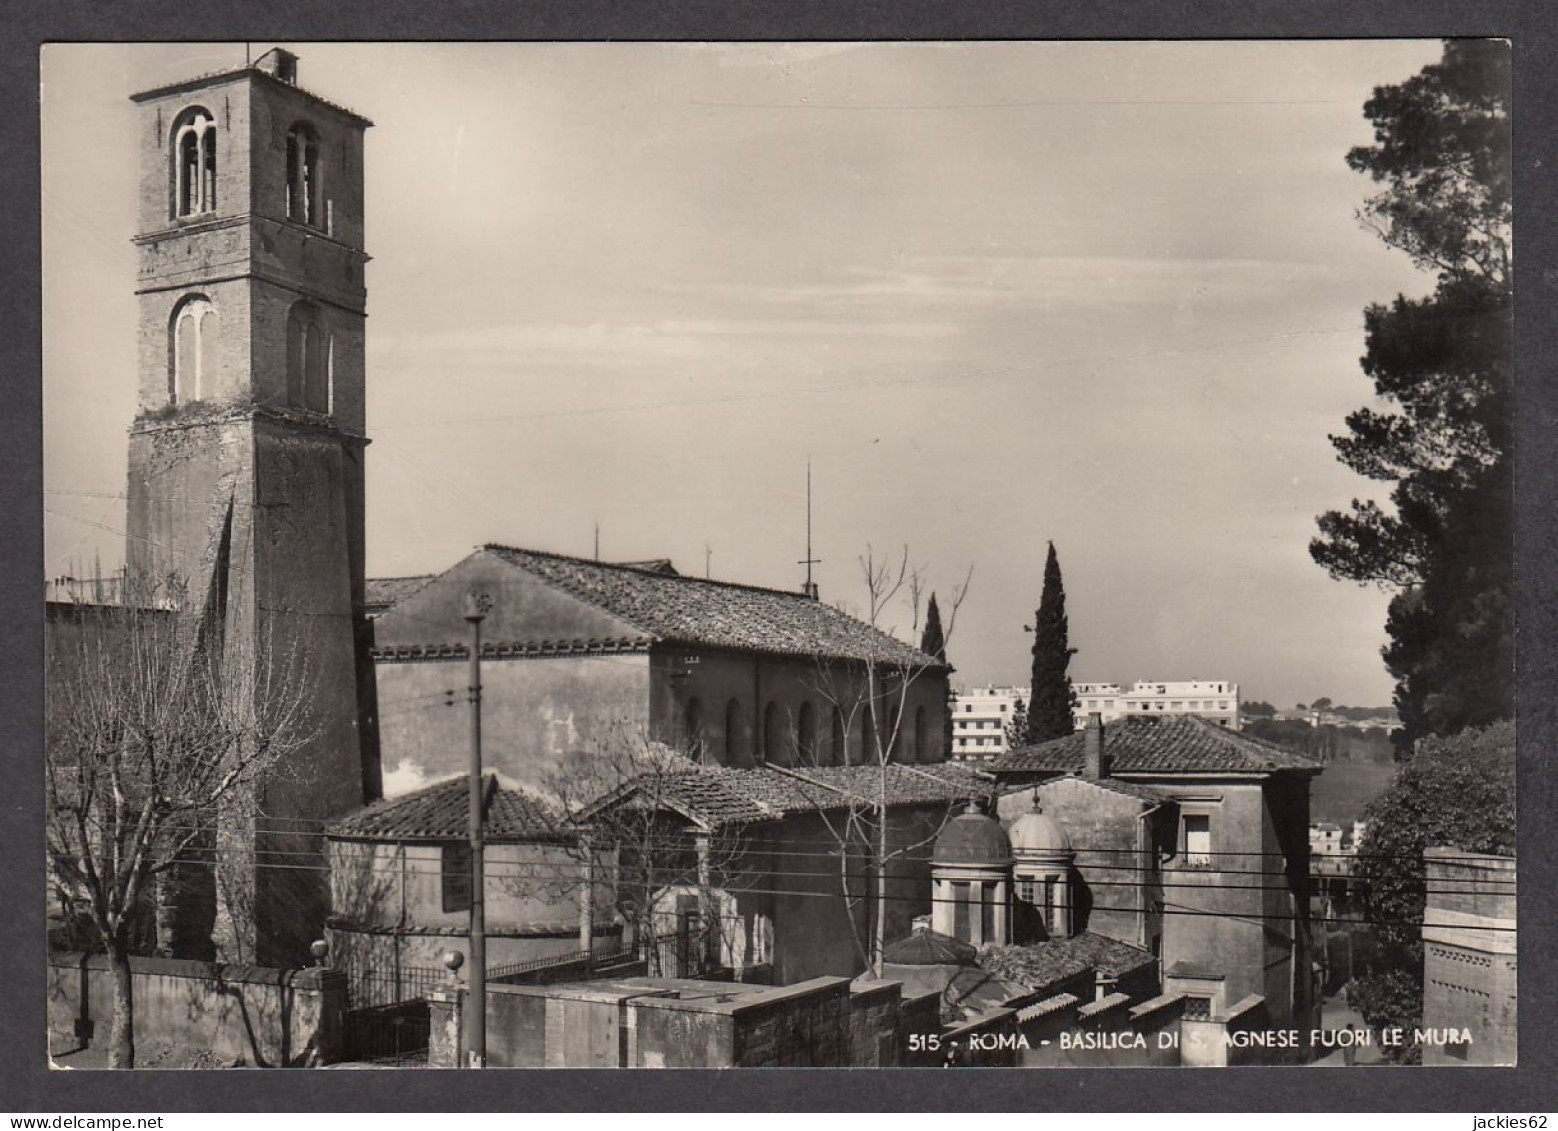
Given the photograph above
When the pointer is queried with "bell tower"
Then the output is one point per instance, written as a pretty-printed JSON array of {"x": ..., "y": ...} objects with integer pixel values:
[{"x": 246, "y": 453}]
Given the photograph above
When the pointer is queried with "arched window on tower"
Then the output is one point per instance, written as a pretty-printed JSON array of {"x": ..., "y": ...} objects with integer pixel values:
[
  {"x": 304, "y": 198},
  {"x": 308, "y": 359},
  {"x": 921, "y": 737},
  {"x": 194, "y": 163},
  {"x": 192, "y": 351},
  {"x": 836, "y": 752}
]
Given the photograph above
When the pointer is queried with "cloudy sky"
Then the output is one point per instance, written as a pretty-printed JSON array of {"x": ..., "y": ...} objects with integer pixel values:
[{"x": 1106, "y": 294}]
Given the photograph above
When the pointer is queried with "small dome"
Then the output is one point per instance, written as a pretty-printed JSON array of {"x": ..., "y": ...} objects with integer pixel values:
[
  {"x": 1036, "y": 833},
  {"x": 973, "y": 838}
]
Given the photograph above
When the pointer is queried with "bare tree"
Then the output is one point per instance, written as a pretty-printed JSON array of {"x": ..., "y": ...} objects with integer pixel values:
[
  {"x": 638, "y": 841},
  {"x": 873, "y": 700},
  {"x": 156, "y": 726}
]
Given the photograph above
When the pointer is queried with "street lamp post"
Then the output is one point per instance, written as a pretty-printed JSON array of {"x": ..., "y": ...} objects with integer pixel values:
[{"x": 477, "y": 605}]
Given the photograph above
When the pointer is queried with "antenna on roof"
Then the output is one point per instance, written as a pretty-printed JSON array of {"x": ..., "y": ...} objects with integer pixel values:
[
  {"x": 597, "y": 541},
  {"x": 708, "y": 558},
  {"x": 810, "y": 588}
]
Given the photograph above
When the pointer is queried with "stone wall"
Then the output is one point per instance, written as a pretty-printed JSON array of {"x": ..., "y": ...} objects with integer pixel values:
[
  {"x": 682, "y": 1023},
  {"x": 255, "y": 1016}
]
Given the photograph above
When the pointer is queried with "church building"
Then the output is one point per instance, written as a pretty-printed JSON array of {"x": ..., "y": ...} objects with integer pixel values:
[{"x": 581, "y": 654}]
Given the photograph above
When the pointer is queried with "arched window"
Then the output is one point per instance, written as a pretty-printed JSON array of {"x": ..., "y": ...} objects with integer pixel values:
[
  {"x": 692, "y": 728},
  {"x": 733, "y": 745},
  {"x": 308, "y": 359},
  {"x": 869, "y": 754},
  {"x": 921, "y": 738},
  {"x": 775, "y": 746},
  {"x": 194, "y": 163},
  {"x": 836, "y": 751},
  {"x": 304, "y": 195},
  {"x": 806, "y": 736},
  {"x": 192, "y": 351}
]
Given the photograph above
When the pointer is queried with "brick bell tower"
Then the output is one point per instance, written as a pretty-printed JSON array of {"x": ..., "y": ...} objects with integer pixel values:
[{"x": 246, "y": 458}]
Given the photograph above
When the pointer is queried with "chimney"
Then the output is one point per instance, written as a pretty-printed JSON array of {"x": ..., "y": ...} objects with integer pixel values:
[
  {"x": 280, "y": 63},
  {"x": 1094, "y": 762}
]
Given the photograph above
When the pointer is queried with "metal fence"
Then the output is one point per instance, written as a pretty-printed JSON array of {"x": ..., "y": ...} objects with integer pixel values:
[
  {"x": 387, "y": 1019},
  {"x": 609, "y": 953},
  {"x": 387, "y": 985}
]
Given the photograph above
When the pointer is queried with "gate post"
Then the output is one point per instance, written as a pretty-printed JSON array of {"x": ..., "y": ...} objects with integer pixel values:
[{"x": 445, "y": 1033}]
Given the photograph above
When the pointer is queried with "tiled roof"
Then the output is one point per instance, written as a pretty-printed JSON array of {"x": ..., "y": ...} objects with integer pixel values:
[
  {"x": 930, "y": 948},
  {"x": 1044, "y": 964},
  {"x": 718, "y": 796},
  {"x": 441, "y": 812},
  {"x": 382, "y": 592},
  {"x": 1173, "y": 744},
  {"x": 1113, "y": 785},
  {"x": 716, "y": 614}
]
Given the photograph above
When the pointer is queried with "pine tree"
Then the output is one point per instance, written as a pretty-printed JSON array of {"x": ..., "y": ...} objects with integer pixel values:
[
  {"x": 1051, "y": 701},
  {"x": 933, "y": 642},
  {"x": 1443, "y": 371}
]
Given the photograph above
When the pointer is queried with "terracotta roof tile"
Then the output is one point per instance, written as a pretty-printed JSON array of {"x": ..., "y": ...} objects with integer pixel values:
[
  {"x": 1173, "y": 744},
  {"x": 442, "y": 812},
  {"x": 715, "y": 614},
  {"x": 1040, "y": 965},
  {"x": 382, "y": 592},
  {"x": 718, "y": 796}
]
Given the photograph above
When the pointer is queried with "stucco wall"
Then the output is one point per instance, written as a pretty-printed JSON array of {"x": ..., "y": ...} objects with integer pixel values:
[
  {"x": 1116, "y": 864},
  {"x": 537, "y": 714},
  {"x": 387, "y": 906},
  {"x": 1222, "y": 917},
  {"x": 262, "y": 1018}
]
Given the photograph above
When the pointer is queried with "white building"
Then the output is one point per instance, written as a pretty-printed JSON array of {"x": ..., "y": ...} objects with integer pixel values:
[
  {"x": 979, "y": 718},
  {"x": 1214, "y": 700}
]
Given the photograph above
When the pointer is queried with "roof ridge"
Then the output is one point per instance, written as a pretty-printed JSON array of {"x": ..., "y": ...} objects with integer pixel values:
[
  {"x": 564, "y": 587},
  {"x": 796, "y": 598}
]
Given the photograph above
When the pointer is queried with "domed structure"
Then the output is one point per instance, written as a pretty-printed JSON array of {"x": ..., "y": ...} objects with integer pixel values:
[
  {"x": 1036, "y": 834},
  {"x": 973, "y": 838},
  {"x": 1042, "y": 874},
  {"x": 971, "y": 873}
]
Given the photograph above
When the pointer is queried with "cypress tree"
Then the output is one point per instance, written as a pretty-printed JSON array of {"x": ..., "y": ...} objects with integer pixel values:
[
  {"x": 933, "y": 642},
  {"x": 1050, "y": 701}
]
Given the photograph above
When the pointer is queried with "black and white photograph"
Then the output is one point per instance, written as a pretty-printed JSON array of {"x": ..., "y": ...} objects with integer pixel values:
[{"x": 710, "y": 555}]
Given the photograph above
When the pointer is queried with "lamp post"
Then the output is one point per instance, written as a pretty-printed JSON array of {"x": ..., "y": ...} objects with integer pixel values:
[{"x": 477, "y": 605}]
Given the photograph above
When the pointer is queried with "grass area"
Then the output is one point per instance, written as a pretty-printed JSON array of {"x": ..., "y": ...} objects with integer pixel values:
[{"x": 1341, "y": 792}]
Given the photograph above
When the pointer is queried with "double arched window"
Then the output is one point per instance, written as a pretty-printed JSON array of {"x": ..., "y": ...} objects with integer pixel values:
[
  {"x": 308, "y": 359},
  {"x": 304, "y": 195},
  {"x": 192, "y": 351},
  {"x": 194, "y": 163}
]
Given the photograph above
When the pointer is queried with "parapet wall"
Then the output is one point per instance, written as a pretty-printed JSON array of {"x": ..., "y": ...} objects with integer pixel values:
[{"x": 255, "y": 1016}]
